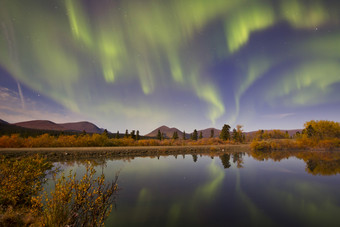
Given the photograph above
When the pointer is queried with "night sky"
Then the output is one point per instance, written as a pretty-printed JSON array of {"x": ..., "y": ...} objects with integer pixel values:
[{"x": 140, "y": 64}]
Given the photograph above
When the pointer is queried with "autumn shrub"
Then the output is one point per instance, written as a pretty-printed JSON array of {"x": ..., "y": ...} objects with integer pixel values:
[
  {"x": 329, "y": 144},
  {"x": 259, "y": 145},
  {"x": 150, "y": 142},
  {"x": 84, "y": 202},
  {"x": 21, "y": 179},
  {"x": 4, "y": 141},
  {"x": 12, "y": 141}
]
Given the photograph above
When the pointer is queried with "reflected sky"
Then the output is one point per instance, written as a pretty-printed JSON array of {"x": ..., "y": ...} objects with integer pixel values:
[{"x": 237, "y": 189}]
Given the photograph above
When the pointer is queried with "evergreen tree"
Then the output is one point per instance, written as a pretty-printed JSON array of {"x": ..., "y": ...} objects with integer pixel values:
[
  {"x": 212, "y": 133},
  {"x": 162, "y": 136},
  {"x": 105, "y": 133},
  {"x": 287, "y": 135},
  {"x": 159, "y": 135},
  {"x": 133, "y": 135},
  {"x": 201, "y": 135},
  {"x": 234, "y": 135},
  {"x": 184, "y": 135},
  {"x": 225, "y": 134},
  {"x": 194, "y": 135},
  {"x": 195, "y": 157},
  {"x": 117, "y": 135},
  {"x": 137, "y": 136},
  {"x": 225, "y": 158},
  {"x": 310, "y": 131},
  {"x": 126, "y": 133},
  {"x": 175, "y": 135}
]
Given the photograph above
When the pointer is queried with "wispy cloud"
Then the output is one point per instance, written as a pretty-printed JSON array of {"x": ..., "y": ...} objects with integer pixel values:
[
  {"x": 12, "y": 110},
  {"x": 278, "y": 116}
]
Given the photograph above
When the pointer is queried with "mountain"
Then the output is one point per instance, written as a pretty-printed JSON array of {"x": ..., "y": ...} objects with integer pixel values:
[
  {"x": 168, "y": 132},
  {"x": 4, "y": 122},
  {"x": 49, "y": 125},
  {"x": 41, "y": 124},
  {"x": 83, "y": 125},
  {"x": 207, "y": 132},
  {"x": 9, "y": 129}
]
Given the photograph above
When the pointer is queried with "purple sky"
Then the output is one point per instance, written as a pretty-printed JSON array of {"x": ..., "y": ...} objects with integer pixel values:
[{"x": 186, "y": 64}]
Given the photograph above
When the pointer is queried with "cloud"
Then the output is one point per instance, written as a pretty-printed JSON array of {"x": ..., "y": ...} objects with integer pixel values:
[
  {"x": 278, "y": 116},
  {"x": 12, "y": 111}
]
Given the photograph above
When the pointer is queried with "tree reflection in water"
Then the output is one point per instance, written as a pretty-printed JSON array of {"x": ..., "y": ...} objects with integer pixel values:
[{"x": 317, "y": 162}]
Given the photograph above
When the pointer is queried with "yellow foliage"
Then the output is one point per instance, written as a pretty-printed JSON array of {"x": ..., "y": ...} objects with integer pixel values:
[
  {"x": 84, "y": 202},
  {"x": 324, "y": 129},
  {"x": 21, "y": 179}
]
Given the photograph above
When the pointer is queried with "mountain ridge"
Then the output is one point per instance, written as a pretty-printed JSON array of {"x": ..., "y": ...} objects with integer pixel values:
[
  {"x": 168, "y": 132},
  {"x": 69, "y": 126},
  {"x": 207, "y": 132}
]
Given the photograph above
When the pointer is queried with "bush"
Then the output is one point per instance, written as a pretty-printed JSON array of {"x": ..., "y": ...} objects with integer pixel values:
[
  {"x": 85, "y": 202},
  {"x": 21, "y": 179}
]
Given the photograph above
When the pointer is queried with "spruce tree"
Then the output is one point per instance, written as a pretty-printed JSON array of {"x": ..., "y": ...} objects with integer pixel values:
[
  {"x": 133, "y": 135},
  {"x": 184, "y": 135},
  {"x": 194, "y": 135},
  {"x": 137, "y": 136},
  {"x": 175, "y": 135},
  {"x": 126, "y": 133},
  {"x": 201, "y": 135},
  {"x": 105, "y": 133},
  {"x": 159, "y": 135},
  {"x": 225, "y": 134},
  {"x": 117, "y": 135}
]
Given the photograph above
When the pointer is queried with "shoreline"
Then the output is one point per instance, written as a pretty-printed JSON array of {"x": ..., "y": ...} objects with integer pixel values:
[{"x": 101, "y": 152}]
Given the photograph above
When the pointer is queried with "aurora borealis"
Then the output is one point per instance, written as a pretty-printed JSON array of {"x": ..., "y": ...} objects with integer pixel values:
[{"x": 133, "y": 64}]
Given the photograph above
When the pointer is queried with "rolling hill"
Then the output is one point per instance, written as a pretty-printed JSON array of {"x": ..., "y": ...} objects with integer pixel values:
[
  {"x": 207, "y": 132},
  {"x": 170, "y": 131},
  {"x": 83, "y": 125},
  {"x": 49, "y": 125}
]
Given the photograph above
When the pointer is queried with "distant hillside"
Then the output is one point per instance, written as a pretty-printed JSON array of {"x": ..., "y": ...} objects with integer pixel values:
[
  {"x": 250, "y": 135},
  {"x": 168, "y": 132},
  {"x": 9, "y": 129},
  {"x": 80, "y": 126},
  {"x": 3, "y": 122},
  {"x": 41, "y": 124},
  {"x": 49, "y": 125},
  {"x": 207, "y": 132}
]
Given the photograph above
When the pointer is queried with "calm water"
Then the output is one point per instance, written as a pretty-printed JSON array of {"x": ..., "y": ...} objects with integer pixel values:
[{"x": 236, "y": 189}]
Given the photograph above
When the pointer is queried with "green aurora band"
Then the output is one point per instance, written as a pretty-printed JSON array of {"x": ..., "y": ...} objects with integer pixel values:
[{"x": 81, "y": 55}]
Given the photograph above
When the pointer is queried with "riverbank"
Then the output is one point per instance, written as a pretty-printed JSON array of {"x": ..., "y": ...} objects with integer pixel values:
[{"x": 100, "y": 152}]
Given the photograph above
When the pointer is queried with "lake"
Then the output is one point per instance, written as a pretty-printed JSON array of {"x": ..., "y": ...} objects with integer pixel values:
[{"x": 232, "y": 189}]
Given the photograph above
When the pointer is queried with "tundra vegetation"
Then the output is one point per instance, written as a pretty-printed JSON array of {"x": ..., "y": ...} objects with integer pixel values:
[
  {"x": 315, "y": 135},
  {"x": 102, "y": 140},
  {"x": 321, "y": 134},
  {"x": 73, "y": 202}
]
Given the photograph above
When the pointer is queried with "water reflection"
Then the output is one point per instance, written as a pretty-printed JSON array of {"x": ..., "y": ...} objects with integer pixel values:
[
  {"x": 317, "y": 163},
  {"x": 208, "y": 189}
]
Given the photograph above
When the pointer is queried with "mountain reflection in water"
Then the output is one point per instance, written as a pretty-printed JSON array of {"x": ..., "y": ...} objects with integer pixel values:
[{"x": 278, "y": 188}]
